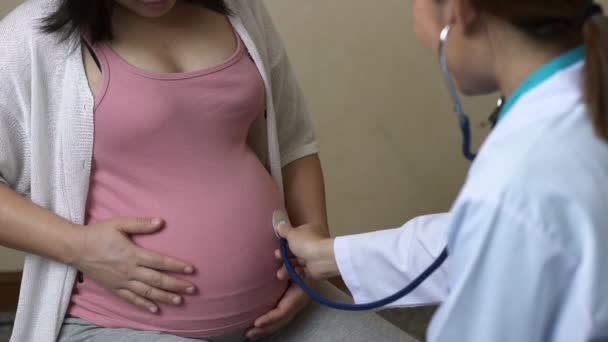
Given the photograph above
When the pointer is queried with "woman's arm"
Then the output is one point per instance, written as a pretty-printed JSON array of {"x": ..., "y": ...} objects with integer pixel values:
[
  {"x": 102, "y": 251},
  {"x": 32, "y": 229},
  {"x": 305, "y": 192}
]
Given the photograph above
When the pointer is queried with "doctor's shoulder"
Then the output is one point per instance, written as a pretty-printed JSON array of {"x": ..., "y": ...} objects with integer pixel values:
[
  {"x": 557, "y": 184},
  {"x": 561, "y": 187}
]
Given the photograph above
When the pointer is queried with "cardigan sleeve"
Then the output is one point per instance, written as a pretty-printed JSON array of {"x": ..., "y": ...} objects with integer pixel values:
[
  {"x": 295, "y": 131},
  {"x": 14, "y": 96},
  {"x": 13, "y": 146},
  {"x": 294, "y": 124}
]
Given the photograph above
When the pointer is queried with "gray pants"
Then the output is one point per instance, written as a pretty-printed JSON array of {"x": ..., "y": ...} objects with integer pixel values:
[{"x": 315, "y": 324}]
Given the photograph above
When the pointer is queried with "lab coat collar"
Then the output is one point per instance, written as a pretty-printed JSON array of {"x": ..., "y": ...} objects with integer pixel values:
[{"x": 558, "y": 95}]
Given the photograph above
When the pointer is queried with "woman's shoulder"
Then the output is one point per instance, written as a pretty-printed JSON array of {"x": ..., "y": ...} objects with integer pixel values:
[
  {"x": 24, "y": 23},
  {"x": 21, "y": 30},
  {"x": 252, "y": 12},
  {"x": 25, "y": 44},
  {"x": 259, "y": 24},
  {"x": 239, "y": 6}
]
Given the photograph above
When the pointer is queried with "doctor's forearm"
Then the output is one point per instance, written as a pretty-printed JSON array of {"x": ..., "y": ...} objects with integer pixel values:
[
  {"x": 305, "y": 192},
  {"x": 396, "y": 257}
]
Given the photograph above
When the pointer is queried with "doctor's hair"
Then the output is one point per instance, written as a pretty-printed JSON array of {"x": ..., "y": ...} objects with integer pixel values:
[
  {"x": 567, "y": 23},
  {"x": 93, "y": 17}
]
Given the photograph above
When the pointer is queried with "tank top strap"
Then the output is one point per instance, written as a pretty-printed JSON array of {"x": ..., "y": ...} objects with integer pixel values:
[{"x": 99, "y": 54}]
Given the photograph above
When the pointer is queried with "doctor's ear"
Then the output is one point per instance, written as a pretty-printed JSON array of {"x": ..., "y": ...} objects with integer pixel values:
[{"x": 463, "y": 15}]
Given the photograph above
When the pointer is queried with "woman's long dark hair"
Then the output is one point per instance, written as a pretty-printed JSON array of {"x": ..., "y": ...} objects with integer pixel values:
[
  {"x": 94, "y": 17},
  {"x": 566, "y": 22}
]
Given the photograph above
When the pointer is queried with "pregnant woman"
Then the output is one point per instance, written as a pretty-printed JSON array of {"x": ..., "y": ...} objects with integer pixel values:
[{"x": 144, "y": 146}]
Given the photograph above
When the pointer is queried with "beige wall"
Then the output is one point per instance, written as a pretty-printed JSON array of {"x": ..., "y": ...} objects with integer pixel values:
[
  {"x": 6, "y": 5},
  {"x": 390, "y": 142},
  {"x": 10, "y": 260}
]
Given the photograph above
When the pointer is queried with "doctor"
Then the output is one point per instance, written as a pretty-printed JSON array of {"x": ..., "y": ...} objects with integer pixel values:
[{"x": 528, "y": 234}]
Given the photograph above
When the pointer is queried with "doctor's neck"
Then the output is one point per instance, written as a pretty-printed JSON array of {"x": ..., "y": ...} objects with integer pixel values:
[
  {"x": 524, "y": 35},
  {"x": 517, "y": 55}
]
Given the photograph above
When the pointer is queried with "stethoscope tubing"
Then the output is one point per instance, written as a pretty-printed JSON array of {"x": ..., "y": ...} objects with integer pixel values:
[
  {"x": 358, "y": 307},
  {"x": 465, "y": 128}
]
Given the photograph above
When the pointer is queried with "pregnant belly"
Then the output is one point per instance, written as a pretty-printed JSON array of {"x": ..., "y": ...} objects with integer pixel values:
[{"x": 222, "y": 224}]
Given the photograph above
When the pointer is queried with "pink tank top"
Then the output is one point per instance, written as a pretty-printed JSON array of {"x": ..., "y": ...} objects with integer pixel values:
[{"x": 174, "y": 146}]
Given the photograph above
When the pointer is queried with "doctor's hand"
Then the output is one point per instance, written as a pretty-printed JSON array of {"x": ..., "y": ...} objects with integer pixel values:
[{"x": 312, "y": 249}]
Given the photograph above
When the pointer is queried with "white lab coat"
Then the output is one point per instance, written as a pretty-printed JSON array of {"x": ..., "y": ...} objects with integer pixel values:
[
  {"x": 377, "y": 264},
  {"x": 528, "y": 235}
]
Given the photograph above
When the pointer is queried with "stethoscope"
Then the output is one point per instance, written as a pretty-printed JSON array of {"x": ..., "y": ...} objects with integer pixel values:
[{"x": 465, "y": 128}]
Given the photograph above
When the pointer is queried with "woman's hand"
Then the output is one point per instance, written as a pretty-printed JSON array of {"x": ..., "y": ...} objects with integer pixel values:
[
  {"x": 313, "y": 250},
  {"x": 107, "y": 255},
  {"x": 293, "y": 302}
]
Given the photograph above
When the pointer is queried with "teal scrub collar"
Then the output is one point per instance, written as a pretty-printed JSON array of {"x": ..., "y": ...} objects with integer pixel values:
[{"x": 545, "y": 72}]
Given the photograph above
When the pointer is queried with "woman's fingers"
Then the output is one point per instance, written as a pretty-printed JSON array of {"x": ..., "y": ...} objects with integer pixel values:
[
  {"x": 137, "y": 225},
  {"x": 137, "y": 300},
  {"x": 162, "y": 281},
  {"x": 154, "y": 294},
  {"x": 269, "y": 324},
  {"x": 162, "y": 263},
  {"x": 282, "y": 274}
]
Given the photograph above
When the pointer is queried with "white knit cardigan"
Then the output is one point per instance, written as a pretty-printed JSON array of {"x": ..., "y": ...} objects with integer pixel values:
[{"x": 46, "y": 135}]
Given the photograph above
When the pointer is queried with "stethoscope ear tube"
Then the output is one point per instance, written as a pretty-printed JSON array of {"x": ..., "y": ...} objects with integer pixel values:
[
  {"x": 463, "y": 119},
  {"x": 358, "y": 307},
  {"x": 465, "y": 127}
]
